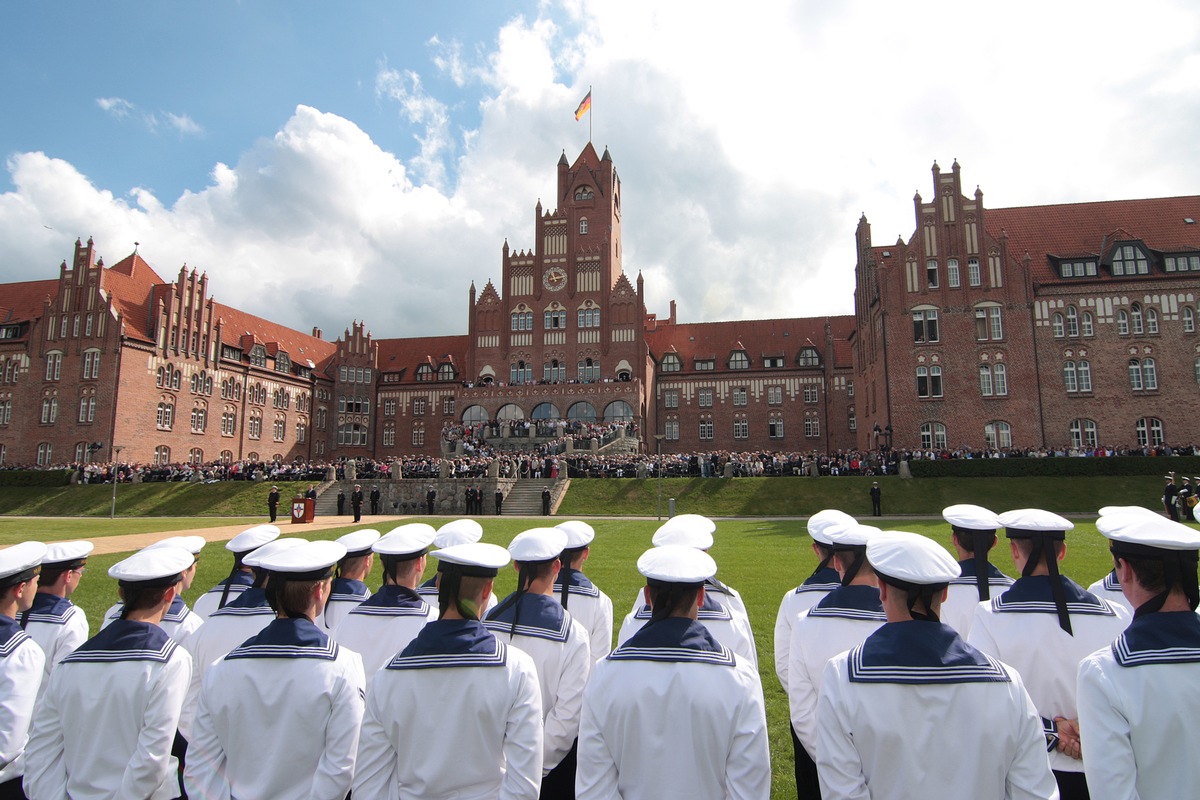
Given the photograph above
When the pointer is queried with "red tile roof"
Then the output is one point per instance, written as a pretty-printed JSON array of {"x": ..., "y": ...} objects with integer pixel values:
[
  {"x": 130, "y": 282},
  {"x": 405, "y": 355},
  {"x": 759, "y": 338},
  {"x": 25, "y": 300},
  {"x": 302, "y": 348}
]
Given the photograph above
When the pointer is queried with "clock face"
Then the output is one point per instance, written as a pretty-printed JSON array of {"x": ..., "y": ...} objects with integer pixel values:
[{"x": 554, "y": 278}]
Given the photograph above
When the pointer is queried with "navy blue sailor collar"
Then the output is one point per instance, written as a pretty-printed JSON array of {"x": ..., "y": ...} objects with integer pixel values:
[
  {"x": 1111, "y": 583},
  {"x": 239, "y": 578},
  {"x": 995, "y": 576},
  {"x": 348, "y": 589},
  {"x": 287, "y": 638},
  {"x": 711, "y": 609},
  {"x": 49, "y": 608},
  {"x": 176, "y": 613},
  {"x": 823, "y": 580},
  {"x": 674, "y": 639},
  {"x": 1032, "y": 595},
  {"x": 857, "y": 601},
  {"x": 541, "y": 617},
  {"x": 452, "y": 643},
  {"x": 920, "y": 652},
  {"x": 11, "y": 636},
  {"x": 393, "y": 600},
  {"x": 1164, "y": 637},
  {"x": 125, "y": 640},
  {"x": 428, "y": 588},
  {"x": 252, "y": 601},
  {"x": 579, "y": 583}
]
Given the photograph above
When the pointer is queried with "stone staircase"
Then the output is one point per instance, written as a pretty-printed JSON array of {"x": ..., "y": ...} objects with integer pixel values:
[{"x": 524, "y": 499}]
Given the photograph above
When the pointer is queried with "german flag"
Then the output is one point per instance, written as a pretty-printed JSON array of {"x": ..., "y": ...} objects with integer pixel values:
[{"x": 585, "y": 105}]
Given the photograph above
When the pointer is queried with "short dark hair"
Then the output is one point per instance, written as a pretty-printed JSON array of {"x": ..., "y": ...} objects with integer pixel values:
[
  {"x": 671, "y": 599},
  {"x": 291, "y": 598},
  {"x": 966, "y": 539},
  {"x": 141, "y": 598}
]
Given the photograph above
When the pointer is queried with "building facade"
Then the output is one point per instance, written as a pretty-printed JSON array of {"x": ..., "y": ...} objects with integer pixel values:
[{"x": 1057, "y": 326}]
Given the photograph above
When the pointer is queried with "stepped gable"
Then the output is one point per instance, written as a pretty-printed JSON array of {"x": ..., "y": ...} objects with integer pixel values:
[
  {"x": 132, "y": 284},
  {"x": 489, "y": 296},
  {"x": 623, "y": 289},
  {"x": 759, "y": 338},
  {"x": 242, "y": 330},
  {"x": 403, "y": 356},
  {"x": 1076, "y": 230}
]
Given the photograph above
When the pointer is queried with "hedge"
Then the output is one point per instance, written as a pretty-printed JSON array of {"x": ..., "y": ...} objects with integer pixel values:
[
  {"x": 36, "y": 477},
  {"x": 1056, "y": 466}
]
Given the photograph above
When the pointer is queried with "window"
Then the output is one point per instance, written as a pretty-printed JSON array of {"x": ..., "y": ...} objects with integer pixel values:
[
  {"x": 810, "y": 393},
  {"x": 812, "y": 428},
  {"x": 228, "y": 422},
  {"x": 988, "y": 324},
  {"x": 195, "y": 456},
  {"x": 389, "y": 434},
  {"x": 1072, "y": 321},
  {"x": 993, "y": 380},
  {"x": 165, "y": 416},
  {"x": 740, "y": 396},
  {"x": 774, "y": 395},
  {"x": 1135, "y": 318},
  {"x": 448, "y": 406},
  {"x": 583, "y": 226},
  {"x": 671, "y": 398},
  {"x": 739, "y": 360},
  {"x": 554, "y": 371},
  {"x": 1196, "y": 368},
  {"x": 973, "y": 271},
  {"x": 1077, "y": 269},
  {"x": 589, "y": 370},
  {"x": 53, "y": 366},
  {"x": 1135, "y": 375},
  {"x": 199, "y": 419},
  {"x": 931, "y": 274},
  {"x": 49, "y": 410},
  {"x": 279, "y": 428},
  {"x": 446, "y": 372},
  {"x": 705, "y": 364},
  {"x": 671, "y": 430},
  {"x": 1060, "y": 329},
  {"x": 1151, "y": 321},
  {"x": 1189, "y": 319},
  {"x": 1084, "y": 433},
  {"x": 1085, "y": 376},
  {"x": 997, "y": 434},
  {"x": 952, "y": 273},
  {"x": 301, "y": 431},
  {"x": 741, "y": 428},
  {"x": 44, "y": 454},
  {"x": 589, "y": 318},
  {"x": 162, "y": 454},
  {"x": 775, "y": 427},
  {"x": 1129, "y": 260},
  {"x": 1149, "y": 374},
  {"x": 1150, "y": 432},
  {"x": 419, "y": 407},
  {"x": 521, "y": 320},
  {"x": 519, "y": 373},
  {"x": 809, "y": 357},
  {"x": 6, "y": 404},
  {"x": 933, "y": 435},
  {"x": 1070, "y": 376},
  {"x": 352, "y": 435},
  {"x": 555, "y": 320},
  {"x": 254, "y": 424},
  {"x": 929, "y": 381},
  {"x": 1087, "y": 326},
  {"x": 258, "y": 356},
  {"x": 773, "y": 362},
  {"x": 91, "y": 364},
  {"x": 671, "y": 363},
  {"x": 1182, "y": 263},
  {"x": 1123, "y": 322},
  {"x": 706, "y": 429},
  {"x": 704, "y": 398},
  {"x": 925, "y": 326},
  {"x": 425, "y": 373}
]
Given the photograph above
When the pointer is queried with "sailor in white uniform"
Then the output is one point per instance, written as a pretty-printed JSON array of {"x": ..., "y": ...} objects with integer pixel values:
[
  {"x": 105, "y": 725},
  {"x": 454, "y": 532},
  {"x": 383, "y": 625},
  {"x": 240, "y": 577},
  {"x": 876, "y": 735},
  {"x": 1109, "y": 587},
  {"x": 841, "y": 620},
  {"x": 1139, "y": 698},
  {"x": 798, "y": 601},
  {"x": 483, "y": 696},
  {"x": 672, "y": 712},
  {"x": 349, "y": 586},
  {"x": 280, "y": 715},
  {"x": 244, "y": 616},
  {"x": 973, "y": 535},
  {"x": 179, "y": 621},
  {"x": 53, "y": 621},
  {"x": 590, "y": 606},
  {"x": 21, "y": 662},
  {"x": 531, "y": 619},
  {"x": 1043, "y": 626}
]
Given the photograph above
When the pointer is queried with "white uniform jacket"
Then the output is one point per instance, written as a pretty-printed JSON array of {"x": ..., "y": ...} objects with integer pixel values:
[
  {"x": 673, "y": 713},
  {"x": 429, "y": 593},
  {"x": 843, "y": 619},
  {"x": 224, "y": 630},
  {"x": 208, "y": 602},
  {"x": 729, "y": 597},
  {"x": 22, "y": 664},
  {"x": 590, "y": 607},
  {"x": 1139, "y": 700},
  {"x": 558, "y": 646},
  {"x": 57, "y": 625},
  {"x": 106, "y": 723},
  {"x": 383, "y": 625},
  {"x": 1020, "y": 627},
  {"x": 727, "y": 626},
  {"x": 344, "y": 595},
  {"x": 796, "y": 602},
  {"x": 877, "y": 738},
  {"x": 279, "y": 717},
  {"x": 1109, "y": 588},
  {"x": 958, "y": 609},
  {"x": 482, "y": 696},
  {"x": 178, "y": 622}
]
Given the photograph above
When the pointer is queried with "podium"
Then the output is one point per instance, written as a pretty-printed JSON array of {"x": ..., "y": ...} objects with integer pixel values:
[{"x": 304, "y": 509}]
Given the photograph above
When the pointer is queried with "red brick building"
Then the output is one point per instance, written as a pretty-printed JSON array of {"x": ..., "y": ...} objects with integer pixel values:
[{"x": 1032, "y": 326}]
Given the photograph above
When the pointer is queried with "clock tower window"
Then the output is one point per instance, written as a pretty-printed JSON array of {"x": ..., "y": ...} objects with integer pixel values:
[{"x": 583, "y": 225}]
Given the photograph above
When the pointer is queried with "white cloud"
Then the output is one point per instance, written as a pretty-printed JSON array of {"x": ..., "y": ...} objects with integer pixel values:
[
  {"x": 185, "y": 125},
  {"x": 121, "y": 108},
  {"x": 116, "y": 106},
  {"x": 426, "y": 112}
]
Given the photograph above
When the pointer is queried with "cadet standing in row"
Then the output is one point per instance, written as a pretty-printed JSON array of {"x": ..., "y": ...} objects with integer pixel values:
[
  {"x": 240, "y": 577},
  {"x": 179, "y": 621},
  {"x": 590, "y": 606},
  {"x": 22, "y": 662},
  {"x": 973, "y": 535},
  {"x": 53, "y": 621},
  {"x": 349, "y": 589}
]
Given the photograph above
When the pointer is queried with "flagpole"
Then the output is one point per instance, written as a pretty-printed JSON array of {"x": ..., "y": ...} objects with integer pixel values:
[{"x": 590, "y": 114}]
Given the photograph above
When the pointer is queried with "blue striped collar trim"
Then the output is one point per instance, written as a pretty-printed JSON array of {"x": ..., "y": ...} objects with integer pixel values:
[
  {"x": 1031, "y": 595},
  {"x": 178, "y": 611},
  {"x": 346, "y": 590},
  {"x": 1111, "y": 583},
  {"x": 817, "y": 587},
  {"x": 237, "y": 611},
  {"x": 452, "y": 643},
  {"x": 428, "y": 588},
  {"x": 240, "y": 581},
  {"x": 674, "y": 640},
  {"x": 850, "y": 602},
  {"x": 1003, "y": 580},
  {"x": 125, "y": 640},
  {"x": 580, "y": 583},
  {"x": 918, "y": 652},
  {"x": 711, "y": 610},
  {"x": 50, "y": 609},
  {"x": 288, "y": 638},
  {"x": 1170, "y": 637},
  {"x": 11, "y": 636},
  {"x": 541, "y": 617}
]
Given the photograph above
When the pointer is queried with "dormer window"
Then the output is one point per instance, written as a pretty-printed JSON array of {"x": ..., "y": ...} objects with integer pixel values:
[
  {"x": 1181, "y": 263},
  {"x": 773, "y": 362},
  {"x": 739, "y": 360},
  {"x": 283, "y": 363},
  {"x": 258, "y": 356},
  {"x": 425, "y": 372},
  {"x": 705, "y": 364},
  {"x": 671, "y": 363},
  {"x": 1130, "y": 259},
  {"x": 1077, "y": 269},
  {"x": 446, "y": 372},
  {"x": 809, "y": 357}
]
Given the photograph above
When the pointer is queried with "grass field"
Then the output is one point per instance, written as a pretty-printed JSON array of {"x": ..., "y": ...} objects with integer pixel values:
[{"x": 761, "y": 558}]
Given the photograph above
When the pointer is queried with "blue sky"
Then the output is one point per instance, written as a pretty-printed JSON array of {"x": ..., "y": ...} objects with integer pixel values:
[{"x": 366, "y": 160}]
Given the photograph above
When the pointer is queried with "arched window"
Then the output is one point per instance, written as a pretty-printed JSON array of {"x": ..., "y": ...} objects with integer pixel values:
[
  {"x": 519, "y": 373},
  {"x": 162, "y": 454},
  {"x": 929, "y": 381},
  {"x": 1136, "y": 321},
  {"x": 418, "y": 434},
  {"x": 227, "y": 456},
  {"x": 952, "y": 272},
  {"x": 582, "y": 411},
  {"x": 196, "y": 456},
  {"x": 1189, "y": 319},
  {"x": 589, "y": 370},
  {"x": 545, "y": 411},
  {"x": 474, "y": 414},
  {"x": 45, "y": 454},
  {"x": 1150, "y": 432},
  {"x": 618, "y": 411},
  {"x": 1072, "y": 321},
  {"x": 1084, "y": 433},
  {"x": 933, "y": 435},
  {"x": 199, "y": 418},
  {"x": 554, "y": 371},
  {"x": 1149, "y": 374},
  {"x": 1087, "y": 325},
  {"x": 1122, "y": 322},
  {"x": 1135, "y": 375},
  {"x": 1085, "y": 375},
  {"x": 1151, "y": 321},
  {"x": 997, "y": 434},
  {"x": 1059, "y": 328},
  {"x": 1070, "y": 376},
  {"x": 583, "y": 225},
  {"x": 510, "y": 411}
]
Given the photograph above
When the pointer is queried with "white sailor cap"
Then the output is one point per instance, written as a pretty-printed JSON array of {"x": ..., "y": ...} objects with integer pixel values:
[
  {"x": 579, "y": 534},
  {"x": 410, "y": 540},
  {"x": 19, "y": 562},
  {"x": 480, "y": 559},
  {"x": 827, "y": 518},
  {"x": 457, "y": 531},
  {"x": 303, "y": 561},
  {"x": 1141, "y": 510},
  {"x": 911, "y": 559},
  {"x": 692, "y": 530},
  {"x": 358, "y": 543},
  {"x": 153, "y": 567},
  {"x": 252, "y": 538},
  {"x": 537, "y": 544},
  {"x": 1023, "y": 523},
  {"x": 193, "y": 544},
  {"x": 848, "y": 536},
  {"x": 1144, "y": 531},
  {"x": 676, "y": 563},
  {"x": 971, "y": 517},
  {"x": 277, "y": 546},
  {"x": 62, "y": 555}
]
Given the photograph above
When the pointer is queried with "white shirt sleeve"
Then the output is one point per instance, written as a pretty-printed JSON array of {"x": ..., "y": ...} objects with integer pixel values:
[
  {"x": 783, "y": 639},
  {"x": 45, "y": 765},
  {"x": 1106, "y": 736},
  {"x": 602, "y": 630},
  {"x": 150, "y": 763},
  {"x": 840, "y": 768},
  {"x": 802, "y": 695},
  {"x": 523, "y": 737},
  {"x": 335, "y": 770},
  {"x": 562, "y": 721},
  {"x": 596, "y": 770},
  {"x": 748, "y": 767},
  {"x": 19, "y": 683},
  {"x": 375, "y": 767}
]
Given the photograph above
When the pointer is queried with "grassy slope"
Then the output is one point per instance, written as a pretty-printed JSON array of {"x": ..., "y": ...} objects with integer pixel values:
[{"x": 228, "y": 499}]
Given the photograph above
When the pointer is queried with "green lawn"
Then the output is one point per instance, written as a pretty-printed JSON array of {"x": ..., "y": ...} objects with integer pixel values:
[
  {"x": 57, "y": 529},
  {"x": 761, "y": 558},
  {"x": 226, "y": 499}
]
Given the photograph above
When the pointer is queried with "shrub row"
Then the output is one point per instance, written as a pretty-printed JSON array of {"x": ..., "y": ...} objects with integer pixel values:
[
  {"x": 1061, "y": 467},
  {"x": 35, "y": 477}
]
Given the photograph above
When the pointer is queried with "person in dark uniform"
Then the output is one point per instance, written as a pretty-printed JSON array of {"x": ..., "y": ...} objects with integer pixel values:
[
  {"x": 876, "y": 499},
  {"x": 273, "y": 502},
  {"x": 1169, "y": 494},
  {"x": 470, "y": 501},
  {"x": 430, "y": 499},
  {"x": 311, "y": 494},
  {"x": 341, "y": 500},
  {"x": 375, "y": 499},
  {"x": 1186, "y": 492},
  {"x": 546, "y": 502},
  {"x": 479, "y": 499},
  {"x": 356, "y": 501},
  {"x": 499, "y": 501}
]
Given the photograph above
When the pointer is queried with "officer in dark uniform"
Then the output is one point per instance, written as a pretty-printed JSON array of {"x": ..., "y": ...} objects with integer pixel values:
[
  {"x": 273, "y": 502},
  {"x": 356, "y": 501},
  {"x": 341, "y": 501},
  {"x": 374, "y": 499},
  {"x": 546, "y": 502},
  {"x": 1169, "y": 494},
  {"x": 430, "y": 499},
  {"x": 499, "y": 500}
]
